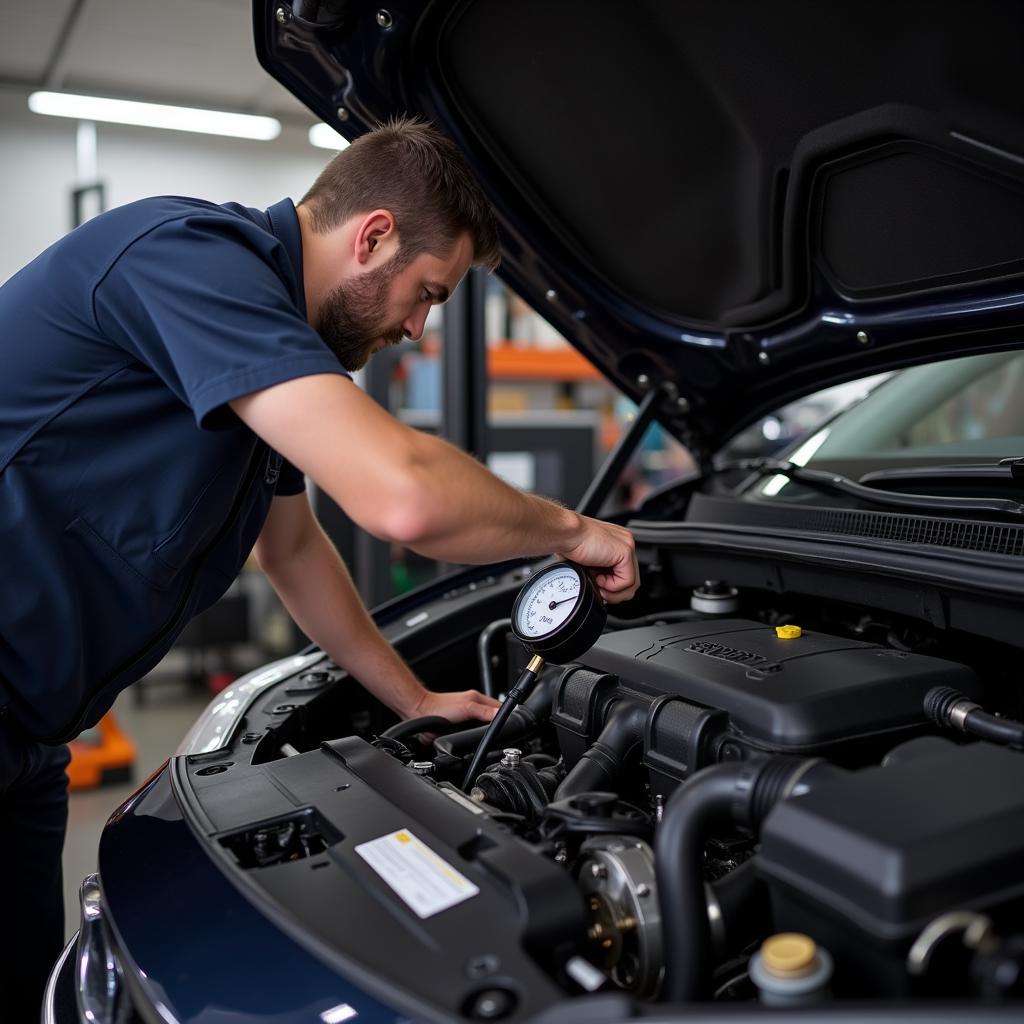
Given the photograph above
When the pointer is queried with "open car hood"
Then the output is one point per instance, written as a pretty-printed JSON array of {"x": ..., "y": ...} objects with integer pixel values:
[{"x": 745, "y": 202}]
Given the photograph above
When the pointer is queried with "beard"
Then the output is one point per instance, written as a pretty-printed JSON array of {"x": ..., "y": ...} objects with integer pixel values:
[{"x": 350, "y": 319}]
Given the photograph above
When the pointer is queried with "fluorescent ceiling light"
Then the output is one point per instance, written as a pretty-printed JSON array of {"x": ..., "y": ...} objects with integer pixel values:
[
  {"x": 324, "y": 136},
  {"x": 155, "y": 115}
]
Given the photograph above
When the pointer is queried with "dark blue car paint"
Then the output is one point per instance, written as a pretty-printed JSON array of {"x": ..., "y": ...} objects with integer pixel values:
[
  {"x": 814, "y": 332},
  {"x": 192, "y": 942}
]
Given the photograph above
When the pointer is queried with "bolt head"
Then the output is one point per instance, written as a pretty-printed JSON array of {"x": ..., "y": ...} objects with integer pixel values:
[
  {"x": 551, "y": 295},
  {"x": 643, "y": 890},
  {"x": 598, "y": 870},
  {"x": 763, "y": 358},
  {"x": 864, "y": 338},
  {"x": 384, "y": 18},
  {"x": 642, "y": 380},
  {"x": 342, "y": 114},
  {"x": 283, "y": 15}
]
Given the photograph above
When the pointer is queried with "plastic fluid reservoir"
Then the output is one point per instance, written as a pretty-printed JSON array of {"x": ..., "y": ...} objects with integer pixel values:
[{"x": 791, "y": 970}]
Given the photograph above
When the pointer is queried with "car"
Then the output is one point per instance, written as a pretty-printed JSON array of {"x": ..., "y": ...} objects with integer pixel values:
[{"x": 789, "y": 772}]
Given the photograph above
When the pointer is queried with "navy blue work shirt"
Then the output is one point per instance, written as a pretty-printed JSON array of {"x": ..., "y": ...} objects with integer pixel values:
[{"x": 130, "y": 493}]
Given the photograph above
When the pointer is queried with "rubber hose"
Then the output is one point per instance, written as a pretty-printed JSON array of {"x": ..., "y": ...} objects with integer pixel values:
[
  {"x": 411, "y": 726},
  {"x": 719, "y": 796},
  {"x": 599, "y": 768},
  {"x": 483, "y": 650},
  {"x": 743, "y": 906},
  {"x": 941, "y": 704},
  {"x": 487, "y": 741},
  {"x": 996, "y": 730}
]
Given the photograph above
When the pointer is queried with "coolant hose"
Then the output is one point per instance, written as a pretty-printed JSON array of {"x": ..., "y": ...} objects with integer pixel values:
[
  {"x": 411, "y": 726},
  {"x": 600, "y": 766},
  {"x": 721, "y": 796},
  {"x": 954, "y": 710}
]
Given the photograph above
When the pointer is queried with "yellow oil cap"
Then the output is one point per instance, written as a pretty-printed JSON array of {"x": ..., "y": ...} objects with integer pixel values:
[
  {"x": 788, "y": 632},
  {"x": 788, "y": 954}
]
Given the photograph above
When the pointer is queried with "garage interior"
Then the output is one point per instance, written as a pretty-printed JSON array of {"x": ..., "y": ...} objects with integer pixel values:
[{"x": 544, "y": 419}]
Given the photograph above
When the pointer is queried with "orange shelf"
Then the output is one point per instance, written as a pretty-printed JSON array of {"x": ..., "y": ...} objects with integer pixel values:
[{"x": 511, "y": 363}]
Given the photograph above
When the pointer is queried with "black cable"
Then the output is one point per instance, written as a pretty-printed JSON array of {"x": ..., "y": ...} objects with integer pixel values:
[{"x": 524, "y": 685}]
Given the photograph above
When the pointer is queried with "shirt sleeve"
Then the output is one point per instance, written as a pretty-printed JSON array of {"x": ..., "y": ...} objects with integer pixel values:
[{"x": 203, "y": 301}]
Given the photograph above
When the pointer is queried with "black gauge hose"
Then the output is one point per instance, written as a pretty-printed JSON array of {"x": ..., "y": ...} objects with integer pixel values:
[
  {"x": 524, "y": 686},
  {"x": 522, "y": 722}
]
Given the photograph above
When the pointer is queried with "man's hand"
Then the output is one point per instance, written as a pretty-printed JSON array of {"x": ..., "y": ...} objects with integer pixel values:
[
  {"x": 457, "y": 707},
  {"x": 611, "y": 551}
]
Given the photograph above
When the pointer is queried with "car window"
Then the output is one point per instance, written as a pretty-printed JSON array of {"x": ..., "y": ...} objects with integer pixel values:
[{"x": 960, "y": 409}]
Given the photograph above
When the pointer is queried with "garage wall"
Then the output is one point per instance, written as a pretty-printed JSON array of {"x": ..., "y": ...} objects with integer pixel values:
[{"x": 37, "y": 172}]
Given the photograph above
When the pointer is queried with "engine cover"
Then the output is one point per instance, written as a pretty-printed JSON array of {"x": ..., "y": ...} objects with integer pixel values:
[{"x": 709, "y": 683}]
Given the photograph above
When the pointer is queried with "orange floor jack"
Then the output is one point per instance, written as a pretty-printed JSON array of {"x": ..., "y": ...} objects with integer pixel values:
[{"x": 101, "y": 755}]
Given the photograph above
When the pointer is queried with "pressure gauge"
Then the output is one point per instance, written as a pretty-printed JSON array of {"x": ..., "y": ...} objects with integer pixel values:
[{"x": 558, "y": 614}]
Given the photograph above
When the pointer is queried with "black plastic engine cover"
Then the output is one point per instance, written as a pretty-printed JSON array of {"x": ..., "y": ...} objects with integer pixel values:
[
  {"x": 290, "y": 832},
  {"x": 863, "y": 862},
  {"x": 786, "y": 695}
]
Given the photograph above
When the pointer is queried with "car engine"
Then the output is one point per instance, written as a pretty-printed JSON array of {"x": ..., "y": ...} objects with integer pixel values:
[
  {"x": 751, "y": 810},
  {"x": 755, "y": 798}
]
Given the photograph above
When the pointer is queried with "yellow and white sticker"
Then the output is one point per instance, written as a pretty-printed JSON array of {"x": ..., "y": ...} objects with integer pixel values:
[{"x": 425, "y": 882}]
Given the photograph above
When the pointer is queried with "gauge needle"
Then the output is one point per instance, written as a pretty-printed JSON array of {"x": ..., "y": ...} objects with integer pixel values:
[{"x": 555, "y": 604}]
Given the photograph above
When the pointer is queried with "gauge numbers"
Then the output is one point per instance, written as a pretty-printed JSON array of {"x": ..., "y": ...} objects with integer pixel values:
[{"x": 548, "y": 601}]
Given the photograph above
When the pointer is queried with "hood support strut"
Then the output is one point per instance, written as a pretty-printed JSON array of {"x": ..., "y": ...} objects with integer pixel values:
[{"x": 610, "y": 471}]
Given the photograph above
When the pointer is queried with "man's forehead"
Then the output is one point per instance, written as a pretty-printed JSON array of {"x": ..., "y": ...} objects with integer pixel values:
[{"x": 442, "y": 274}]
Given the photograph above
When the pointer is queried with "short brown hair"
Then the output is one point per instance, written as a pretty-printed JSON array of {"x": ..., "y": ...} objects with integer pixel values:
[{"x": 408, "y": 167}]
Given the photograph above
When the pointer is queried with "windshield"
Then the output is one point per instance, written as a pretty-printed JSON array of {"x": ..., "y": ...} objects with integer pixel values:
[{"x": 959, "y": 411}]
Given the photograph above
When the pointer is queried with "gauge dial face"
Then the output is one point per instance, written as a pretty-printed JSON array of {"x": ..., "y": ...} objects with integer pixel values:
[{"x": 548, "y": 601}]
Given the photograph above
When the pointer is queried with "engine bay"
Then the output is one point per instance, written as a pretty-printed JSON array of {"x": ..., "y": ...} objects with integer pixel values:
[{"x": 730, "y": 800}]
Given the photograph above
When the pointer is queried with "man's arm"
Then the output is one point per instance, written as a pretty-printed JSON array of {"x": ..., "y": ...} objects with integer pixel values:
[
  {"x": 315, "y": 586},
  {"x": 405, "y": 486}
]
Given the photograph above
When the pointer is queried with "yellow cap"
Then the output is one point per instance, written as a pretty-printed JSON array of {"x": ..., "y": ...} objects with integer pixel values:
[
  {"x": 788, "y": 632},
  {"x": 788, "y": 954}
]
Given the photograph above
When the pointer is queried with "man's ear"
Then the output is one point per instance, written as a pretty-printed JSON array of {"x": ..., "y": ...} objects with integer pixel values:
[{"x": 376, "y": 239}]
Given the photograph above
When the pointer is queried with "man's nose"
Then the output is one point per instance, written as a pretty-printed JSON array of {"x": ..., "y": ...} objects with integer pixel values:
[{"x": 414, "y": 324}]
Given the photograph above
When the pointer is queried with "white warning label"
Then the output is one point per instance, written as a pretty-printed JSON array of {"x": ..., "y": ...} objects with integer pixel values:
[{"x": 426, "y": 882}]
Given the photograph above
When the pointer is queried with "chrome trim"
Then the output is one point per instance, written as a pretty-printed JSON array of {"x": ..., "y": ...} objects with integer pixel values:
[
  {"x": 99, "y": 992},
  {"x": 49, "y": 1009},
  {"x": 959, "y": 711},
  {"x": 213, "y": 728}
]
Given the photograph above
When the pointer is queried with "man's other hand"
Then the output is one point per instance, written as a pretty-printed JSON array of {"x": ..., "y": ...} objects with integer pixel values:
[{"x": 467, "y": 705}]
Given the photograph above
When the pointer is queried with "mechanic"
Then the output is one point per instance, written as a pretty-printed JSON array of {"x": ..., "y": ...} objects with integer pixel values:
[{"x": 171, "y": 369}]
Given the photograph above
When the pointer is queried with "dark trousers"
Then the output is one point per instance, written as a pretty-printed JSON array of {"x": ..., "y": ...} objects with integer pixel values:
[{"x": 33, "y": 818}]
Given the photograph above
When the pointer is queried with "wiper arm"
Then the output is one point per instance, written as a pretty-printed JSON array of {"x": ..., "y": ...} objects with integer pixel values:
[
  {"x": 1005, "y": 470},
  {"x": 837, "y": 482}
]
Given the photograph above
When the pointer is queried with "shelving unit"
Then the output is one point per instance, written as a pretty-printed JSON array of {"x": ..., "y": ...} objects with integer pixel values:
[{"x": 509, "y": 361}]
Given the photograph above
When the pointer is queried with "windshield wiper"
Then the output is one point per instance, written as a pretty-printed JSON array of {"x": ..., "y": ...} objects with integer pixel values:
[
  {"x": 1005, "y": 470},
  {"x": 825, "y": 480}
]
